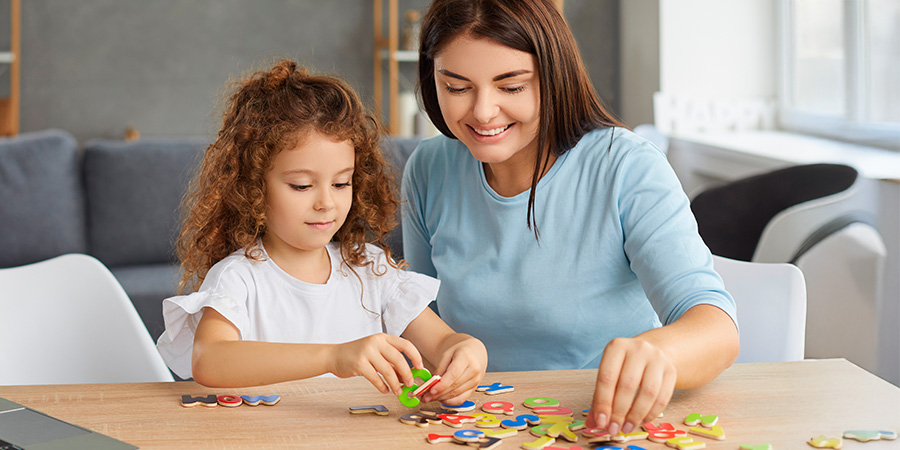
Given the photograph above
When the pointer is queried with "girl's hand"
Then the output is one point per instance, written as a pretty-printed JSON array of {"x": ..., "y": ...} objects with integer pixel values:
[
  {"x": 462, "y": 365},
  {"x": 635, "y": 382},
  {"x": 374, "y": 355}
]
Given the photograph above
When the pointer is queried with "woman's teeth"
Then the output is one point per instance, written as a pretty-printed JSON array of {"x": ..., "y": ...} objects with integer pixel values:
[{"x": 493, "y": 132}]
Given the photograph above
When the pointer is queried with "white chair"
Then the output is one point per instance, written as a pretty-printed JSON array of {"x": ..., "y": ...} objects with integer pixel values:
[
  {"x": 67, "y": 320},
  {"x": 821, "y": 218},
  {"x": 843, "y": 274},
  {"x": 771, "y": 308}
]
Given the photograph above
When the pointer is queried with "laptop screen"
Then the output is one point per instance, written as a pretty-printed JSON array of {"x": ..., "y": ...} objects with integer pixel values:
[{"x": 28, "y": 427}]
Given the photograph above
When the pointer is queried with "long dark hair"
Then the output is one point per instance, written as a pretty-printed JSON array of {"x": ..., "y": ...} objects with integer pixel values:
[{"x": 569, "y": 106}]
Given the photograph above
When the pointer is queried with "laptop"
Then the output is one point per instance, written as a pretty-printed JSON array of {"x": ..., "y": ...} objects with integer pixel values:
[{"x": 27, "y": 429}]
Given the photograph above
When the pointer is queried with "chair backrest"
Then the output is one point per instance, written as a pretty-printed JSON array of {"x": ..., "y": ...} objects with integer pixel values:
[
  {"x": 797, "y": 228},
  {"x": 843, "y": 274},
  {"x": 771, "y": 308},
  {"x": 734, "y": 218},
  {"x": 67, "y": 320}
]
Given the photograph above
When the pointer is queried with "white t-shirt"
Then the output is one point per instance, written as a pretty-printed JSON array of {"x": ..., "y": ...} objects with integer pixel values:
[{"x": 267, "y": 304}]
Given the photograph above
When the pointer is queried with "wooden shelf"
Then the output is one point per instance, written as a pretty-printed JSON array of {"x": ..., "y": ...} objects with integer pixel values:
[
  {"x": 387, "y": 48},
  {"x": 9, "y": 107}
]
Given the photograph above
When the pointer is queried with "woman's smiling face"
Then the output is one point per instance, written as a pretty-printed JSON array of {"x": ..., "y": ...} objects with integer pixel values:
[{"x": 489, "y": 96}]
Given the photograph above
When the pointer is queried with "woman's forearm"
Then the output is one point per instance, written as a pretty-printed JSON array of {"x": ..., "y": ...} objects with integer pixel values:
[{"x": 701, "y": 344}]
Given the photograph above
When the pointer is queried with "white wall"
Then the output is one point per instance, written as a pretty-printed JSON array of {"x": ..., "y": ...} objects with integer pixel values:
[
  {"x": 707, "y": 48},
  {"x": 722, "y": 49}
]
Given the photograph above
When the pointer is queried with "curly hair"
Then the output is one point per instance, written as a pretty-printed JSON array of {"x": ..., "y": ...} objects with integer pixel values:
[{"x": 269, "y": 111}]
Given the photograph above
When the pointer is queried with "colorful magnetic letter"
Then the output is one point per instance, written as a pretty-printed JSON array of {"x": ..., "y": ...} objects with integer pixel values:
[
  {"x": 756, "y": 447},
  {"x": 534, "y": 402},
  {"x": 487, "y": 443},
  {"x": 421, "y": 390},
  {"x": 486, "y": 420},
  {"x": 552, "y": 411},
  {"x": 540, "y": 443},
  {"x": 715, "y": 432},
  {"x": 494, "y": 388},
  {"x": 595, "y": 435},
  {"x": 438, "y": 438},
  {"x": 562, "y": 429},
  {"x": 616, "y": 447},
  {"x": 415, "y": 419},
  {"x": 663, "y": 432},
  {"x": 405, "y": 399},
  {"x": 499, "y": 408},
  {"x": 824, "y": 442},
  {"x": 188, "y": 401},
  {"x": 456, "y": 420},
  {"x": 707, "y": 421},
  {"x": 413, "y": 401},
  {"x": 521, "y": 422},
  {"x": 869, "y": 435},
  {"x": 466, "y": 436},
  {"x": 685, "y": 443},
  {"x": 381, "y": 410},
  {"x": 268, "y": 400},
  {"x": 500, "y": 433},
  {"x": 623, "y": 437},
  {"x": 468, "y": 405},
  {"x": 434, "y": 412}
]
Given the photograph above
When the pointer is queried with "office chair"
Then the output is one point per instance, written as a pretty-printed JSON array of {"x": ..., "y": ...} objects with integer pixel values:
[
  {"x": 771, "y": 308},
  {"x": 66, "y": 320},
  {"x": 820, "y": 218}
]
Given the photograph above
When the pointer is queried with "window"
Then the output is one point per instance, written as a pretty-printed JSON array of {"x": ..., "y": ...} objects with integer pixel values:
[{"x": 840, "y": 69}]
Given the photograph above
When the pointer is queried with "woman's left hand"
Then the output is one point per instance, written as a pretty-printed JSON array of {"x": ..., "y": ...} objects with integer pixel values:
[
  {"x": 462, "y": 366},
  {"x": 635, "y": 382}
]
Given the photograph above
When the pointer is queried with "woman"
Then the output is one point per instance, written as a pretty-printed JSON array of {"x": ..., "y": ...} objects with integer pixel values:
[{"x": 561, "y": 240}]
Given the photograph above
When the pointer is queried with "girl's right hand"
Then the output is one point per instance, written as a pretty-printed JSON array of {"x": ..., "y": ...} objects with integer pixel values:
[{"x": 374, "y": 355}]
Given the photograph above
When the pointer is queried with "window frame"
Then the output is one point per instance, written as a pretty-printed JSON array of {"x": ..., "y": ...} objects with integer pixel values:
[{"x": 852, "y": 126}]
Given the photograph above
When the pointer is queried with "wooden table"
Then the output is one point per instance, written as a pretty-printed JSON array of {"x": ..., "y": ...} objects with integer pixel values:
[{"x": 783, "y": 404}]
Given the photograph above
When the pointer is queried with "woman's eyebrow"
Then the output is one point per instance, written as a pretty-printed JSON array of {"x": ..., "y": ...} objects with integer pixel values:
[{"x": 502, "y": 76}]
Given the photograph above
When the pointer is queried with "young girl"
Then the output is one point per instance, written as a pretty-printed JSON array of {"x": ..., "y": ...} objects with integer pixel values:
[
  {"x": 275, "y": 236},
  {"x": 538, "y": 207}
]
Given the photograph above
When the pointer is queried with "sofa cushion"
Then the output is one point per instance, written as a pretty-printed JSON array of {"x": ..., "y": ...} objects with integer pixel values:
[
  {"x": 133, "y": 191},
  {"x": 396, "y": 152},
  {"x": 41, "y": 198}
]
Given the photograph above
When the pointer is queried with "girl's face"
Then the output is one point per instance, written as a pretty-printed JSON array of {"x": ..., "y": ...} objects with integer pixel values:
[
  {"x": 308, "y": 195},
  {"x": 489, "y": 96}
]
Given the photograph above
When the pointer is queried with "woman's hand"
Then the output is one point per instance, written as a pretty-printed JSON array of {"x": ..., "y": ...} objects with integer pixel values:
[
  {"x": 462, "y": 365},
  {"x": 635, "y": 382},
  {"x": 374, "y": 355}
]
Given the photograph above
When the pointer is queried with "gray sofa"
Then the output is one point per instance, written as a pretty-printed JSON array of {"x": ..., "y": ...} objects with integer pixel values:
[{"x": 115, "y": 200}]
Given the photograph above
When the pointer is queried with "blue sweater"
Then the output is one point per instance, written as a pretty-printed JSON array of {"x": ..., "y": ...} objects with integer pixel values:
[{"x": 619, "y": 252}]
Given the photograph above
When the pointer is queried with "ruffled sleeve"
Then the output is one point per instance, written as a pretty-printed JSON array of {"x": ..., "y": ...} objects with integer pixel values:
[
  {"x": 182, "y": 314},
  {"x": 410, "y": 297}
]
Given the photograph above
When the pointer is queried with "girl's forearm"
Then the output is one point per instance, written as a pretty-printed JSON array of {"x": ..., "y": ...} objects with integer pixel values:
[
  {"x": 701, "y": 344},
  {"x": 250, "y": 363}
]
